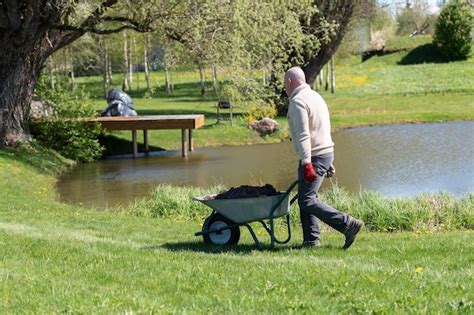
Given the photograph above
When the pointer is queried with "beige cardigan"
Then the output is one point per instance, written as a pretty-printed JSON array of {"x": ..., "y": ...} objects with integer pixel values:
[{"x": 308, "y": 119}]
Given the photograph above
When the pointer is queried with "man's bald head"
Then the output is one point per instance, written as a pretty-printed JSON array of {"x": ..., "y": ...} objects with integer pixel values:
[{"x": 294, "y": 77}]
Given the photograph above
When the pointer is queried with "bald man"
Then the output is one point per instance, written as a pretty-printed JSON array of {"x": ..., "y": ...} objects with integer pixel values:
[{"x": 310, "y": 128}]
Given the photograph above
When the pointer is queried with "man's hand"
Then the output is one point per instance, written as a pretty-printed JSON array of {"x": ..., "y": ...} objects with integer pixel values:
[
  {"x": 331, "y": 171},
  {"x": 309, "y": 174}
]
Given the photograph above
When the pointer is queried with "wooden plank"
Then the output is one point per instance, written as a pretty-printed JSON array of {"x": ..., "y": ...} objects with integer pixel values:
[
  {"x": 156, "y": 125},
  {"x": 151, "y": 122},
  {"x": 199, "y": 122}
]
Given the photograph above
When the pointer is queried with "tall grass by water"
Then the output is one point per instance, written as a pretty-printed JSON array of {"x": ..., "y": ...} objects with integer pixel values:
[{"x": 426, "y": 212}]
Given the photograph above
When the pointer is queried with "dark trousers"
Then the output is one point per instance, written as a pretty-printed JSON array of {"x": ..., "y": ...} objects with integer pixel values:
[{"x": 312, "y": 209}]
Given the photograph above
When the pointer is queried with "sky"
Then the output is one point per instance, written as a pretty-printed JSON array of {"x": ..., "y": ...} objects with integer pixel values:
[{"x": 397, "y": 3}]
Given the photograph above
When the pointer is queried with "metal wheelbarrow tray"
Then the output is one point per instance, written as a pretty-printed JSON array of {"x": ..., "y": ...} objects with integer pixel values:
[{"x": 222, "y": 227}]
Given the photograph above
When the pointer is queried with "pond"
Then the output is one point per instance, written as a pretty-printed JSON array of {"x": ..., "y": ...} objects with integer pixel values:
[{"x": 401, "y": 160}]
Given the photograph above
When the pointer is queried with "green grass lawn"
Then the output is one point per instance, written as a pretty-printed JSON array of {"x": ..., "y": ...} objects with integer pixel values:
[
  {"x": 408, "y": 86},
  {"x": 57, "y": 258}
]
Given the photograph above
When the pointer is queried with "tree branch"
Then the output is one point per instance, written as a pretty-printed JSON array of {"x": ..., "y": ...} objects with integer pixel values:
[{"x": 95, "y": 16}]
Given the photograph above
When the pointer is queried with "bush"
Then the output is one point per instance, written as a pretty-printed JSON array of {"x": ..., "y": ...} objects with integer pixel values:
[
  {"x": 453, "y": 31},
  {"x": 73, "y": 138},
  {"x": 259, "y": 110}
]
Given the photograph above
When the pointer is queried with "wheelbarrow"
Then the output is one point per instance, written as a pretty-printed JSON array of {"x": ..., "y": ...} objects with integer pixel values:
[{"x": 222, "y": 226}]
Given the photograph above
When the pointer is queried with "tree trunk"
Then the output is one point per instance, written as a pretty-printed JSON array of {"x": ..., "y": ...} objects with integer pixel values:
[
  {"x": 340, "y": 11},
  {"x": 321, "y": 75},
  {"x": 134, "y": 54},
  {"x": 21, "y": 61},
  {"x": 214, "y": 79},
  {"x": 109, "y": 67},
  {"x": 145, "y": 61},
  {"x": 73, "y": 79},
  {"x": 126, "y": 77},
  {"x": 17, "y": 91},
  {"x": 326, "y": 87},
  {"x": 167, "y": 80},
  {"x": 202, "y": 79},
  {"x": 52, "y": 78},
  {"x": 130, "y": 63},
  {"x": 333, "y": 77},
  {"x": 105, "y": 67}
]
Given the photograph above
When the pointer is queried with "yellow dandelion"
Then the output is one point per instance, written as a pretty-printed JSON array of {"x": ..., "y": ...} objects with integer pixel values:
[{"x": 418, "y": 269}]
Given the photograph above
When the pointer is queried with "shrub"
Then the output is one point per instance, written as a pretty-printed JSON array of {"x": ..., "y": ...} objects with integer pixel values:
[
  {"x": 260, "y": 110},
  {"x": 74, "y": 139},
  {"x": 453, "y": 31}
]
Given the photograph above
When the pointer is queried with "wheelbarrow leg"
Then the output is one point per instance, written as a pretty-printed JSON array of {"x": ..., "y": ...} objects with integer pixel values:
[
  {"x": 257, "y": 242},
  {"x": 271, "y": 231}
]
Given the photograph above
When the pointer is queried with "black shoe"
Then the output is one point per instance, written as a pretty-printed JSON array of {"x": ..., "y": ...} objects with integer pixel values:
[
  {"x": 353, "y": 227},
  {"x": 314, "y": 244}
]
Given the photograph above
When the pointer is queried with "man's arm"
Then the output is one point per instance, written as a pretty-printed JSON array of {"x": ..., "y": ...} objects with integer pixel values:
[{"x": 302, "y": 138}]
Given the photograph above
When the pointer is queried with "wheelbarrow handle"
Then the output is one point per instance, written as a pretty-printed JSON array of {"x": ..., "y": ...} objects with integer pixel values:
[{"x": 287, "y": 192}]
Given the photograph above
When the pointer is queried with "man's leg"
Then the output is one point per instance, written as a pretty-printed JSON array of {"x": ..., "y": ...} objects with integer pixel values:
[
  {"x": 309, "y": 222},
  {"x": 309, "y": 202}
]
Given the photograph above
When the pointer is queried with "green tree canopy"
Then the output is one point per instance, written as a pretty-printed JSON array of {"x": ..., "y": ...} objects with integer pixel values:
[{"x": 453, "y": 31}]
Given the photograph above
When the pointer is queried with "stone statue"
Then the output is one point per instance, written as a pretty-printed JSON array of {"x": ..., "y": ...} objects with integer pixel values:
[{"x": 120, "y": 104}]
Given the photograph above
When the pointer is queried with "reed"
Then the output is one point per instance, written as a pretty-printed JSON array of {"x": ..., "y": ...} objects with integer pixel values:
[{"x": 426, "y": 212}]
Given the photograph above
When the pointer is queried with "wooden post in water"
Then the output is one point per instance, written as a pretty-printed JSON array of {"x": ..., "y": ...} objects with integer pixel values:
[
  {"x": 184, "y": 151},
  {"x": 191, "y": 144},
  {"x": 134, "y": 141},
  {"x": 145, "y": 140}
]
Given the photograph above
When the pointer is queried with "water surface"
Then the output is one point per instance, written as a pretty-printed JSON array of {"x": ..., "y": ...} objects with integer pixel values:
[{"x": 402, "y": 160}]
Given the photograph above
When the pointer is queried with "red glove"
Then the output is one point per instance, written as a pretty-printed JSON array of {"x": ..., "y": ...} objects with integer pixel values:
[{"x": 309, "y": 174}]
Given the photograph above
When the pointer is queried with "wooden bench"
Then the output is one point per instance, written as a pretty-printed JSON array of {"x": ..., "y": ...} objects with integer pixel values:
[{"x": 145, "y": 123}]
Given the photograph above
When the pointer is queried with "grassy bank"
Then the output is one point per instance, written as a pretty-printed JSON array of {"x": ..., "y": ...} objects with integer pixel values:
[
  {"x": 57, "y": 258},
  {"x": 406, "y": 86},
  {"x": 427, "y": 212}
]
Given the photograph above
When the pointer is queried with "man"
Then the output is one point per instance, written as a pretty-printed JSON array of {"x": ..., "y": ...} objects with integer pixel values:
[{"x": 310, "y": 129}]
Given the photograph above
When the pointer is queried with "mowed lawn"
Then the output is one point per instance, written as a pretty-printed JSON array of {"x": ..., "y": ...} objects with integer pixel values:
[
  {"x": 57, "y": 258},
  {"x": 84, "y": 262}
]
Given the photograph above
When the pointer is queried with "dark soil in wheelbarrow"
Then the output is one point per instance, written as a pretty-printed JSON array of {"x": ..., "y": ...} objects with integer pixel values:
[{"x": 246, "y": 191}]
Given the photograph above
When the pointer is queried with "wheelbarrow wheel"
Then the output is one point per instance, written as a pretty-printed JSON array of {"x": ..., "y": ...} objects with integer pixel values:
[{"x": 225, "y": 237}]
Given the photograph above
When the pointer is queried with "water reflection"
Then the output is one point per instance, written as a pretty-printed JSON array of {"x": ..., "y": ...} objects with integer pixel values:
[{"x": 394, "y": 160}]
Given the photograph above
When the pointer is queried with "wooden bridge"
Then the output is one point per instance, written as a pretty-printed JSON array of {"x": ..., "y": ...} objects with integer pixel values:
[{"x": 184, "y": 122}]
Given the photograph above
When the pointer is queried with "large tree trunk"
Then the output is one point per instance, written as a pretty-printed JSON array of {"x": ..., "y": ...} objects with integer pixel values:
[
  {"x": 30, "y": 31},
  {"x": 341, "y": 11},
  {"x": 20, "y": 67},
  {"x": 17, "y": 90}
]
